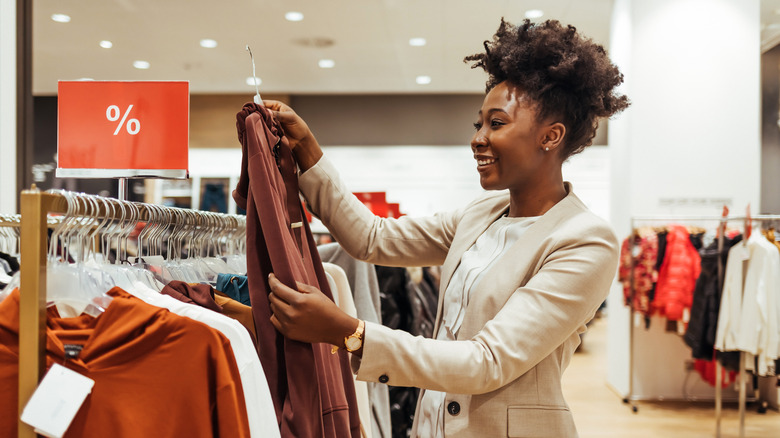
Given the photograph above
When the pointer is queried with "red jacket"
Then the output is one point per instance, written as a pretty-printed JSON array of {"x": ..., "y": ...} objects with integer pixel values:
[{"x": 678, "y": 274}]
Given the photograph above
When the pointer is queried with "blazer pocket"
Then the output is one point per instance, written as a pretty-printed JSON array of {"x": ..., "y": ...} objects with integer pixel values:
[{"x": 540, "y": 422}]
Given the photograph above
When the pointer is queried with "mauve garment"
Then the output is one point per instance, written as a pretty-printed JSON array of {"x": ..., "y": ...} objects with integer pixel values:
[{"x": 312, "y": 389}]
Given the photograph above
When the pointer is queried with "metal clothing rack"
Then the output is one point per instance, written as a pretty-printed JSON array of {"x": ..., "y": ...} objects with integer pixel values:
[
  {"x": 722, "y": 220},
  {"x": 35, "y": 207}
]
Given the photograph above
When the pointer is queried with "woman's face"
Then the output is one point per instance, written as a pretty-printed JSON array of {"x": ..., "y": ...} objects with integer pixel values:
[{"x": 509, "y": 142}]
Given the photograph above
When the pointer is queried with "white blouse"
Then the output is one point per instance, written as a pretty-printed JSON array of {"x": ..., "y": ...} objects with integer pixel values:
[{"x": 488, "y": 248}]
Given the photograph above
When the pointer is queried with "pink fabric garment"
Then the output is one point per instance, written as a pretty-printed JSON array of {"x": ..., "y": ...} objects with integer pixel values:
[{"x": 677, "y": 277}]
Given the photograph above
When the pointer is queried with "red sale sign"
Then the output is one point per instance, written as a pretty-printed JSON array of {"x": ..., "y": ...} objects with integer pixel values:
[{"x": 117, "y": 129}]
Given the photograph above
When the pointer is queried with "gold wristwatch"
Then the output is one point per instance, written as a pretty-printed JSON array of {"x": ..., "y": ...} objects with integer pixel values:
[{"x": 354, "y": 341}]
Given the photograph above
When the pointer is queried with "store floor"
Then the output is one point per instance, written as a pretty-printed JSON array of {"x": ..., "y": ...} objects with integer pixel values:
[{"x": 600, "y": 413}]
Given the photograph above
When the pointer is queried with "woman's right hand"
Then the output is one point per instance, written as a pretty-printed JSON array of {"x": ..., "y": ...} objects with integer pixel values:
[{"x": 300, "y": 138}]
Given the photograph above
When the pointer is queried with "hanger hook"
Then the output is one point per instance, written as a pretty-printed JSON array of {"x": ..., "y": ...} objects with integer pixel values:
[{"x": 258, "y": 100}]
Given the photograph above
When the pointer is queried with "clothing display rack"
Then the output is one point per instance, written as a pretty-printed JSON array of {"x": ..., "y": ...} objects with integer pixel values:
[
  {"x": 34, "y": 222},
  {"x": 10, "y": 220},
  {"x": 722, "y": 222}
]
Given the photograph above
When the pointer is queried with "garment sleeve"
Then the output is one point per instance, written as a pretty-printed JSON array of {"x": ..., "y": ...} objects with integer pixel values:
[
  {"x": 229, "y": 406},
  {"x": 539, "y": 317},
  {"x": 385, "y": 241},
  {"x": 727, "y": 335}
]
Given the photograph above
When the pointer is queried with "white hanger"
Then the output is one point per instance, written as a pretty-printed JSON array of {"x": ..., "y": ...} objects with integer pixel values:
[{"x": 258, "y": 99}]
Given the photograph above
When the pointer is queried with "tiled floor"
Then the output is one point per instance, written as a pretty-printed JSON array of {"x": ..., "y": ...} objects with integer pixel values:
[{"x": 600, "y": 413}]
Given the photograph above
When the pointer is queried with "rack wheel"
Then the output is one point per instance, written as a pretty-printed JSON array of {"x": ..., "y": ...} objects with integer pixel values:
[
  {"x": 625, "y": 401},
  {"x": 634, "y": 409}
]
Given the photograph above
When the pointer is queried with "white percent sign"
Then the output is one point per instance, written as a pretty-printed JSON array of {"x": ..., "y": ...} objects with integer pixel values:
[{"x": 133, "y": 125}]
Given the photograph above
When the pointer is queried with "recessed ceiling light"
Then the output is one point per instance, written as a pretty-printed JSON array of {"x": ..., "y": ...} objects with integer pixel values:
[
  {"x": 106, "y": 44},
  {"x": 142, "y": 65},
  {"x": 533, "y": 13},
  {"x": 326, "y": 63},
  {"x": 60, "y": 18},
  {"x": 253, "y": 81},
  {"x": 417, "y": 42},
  {"x": 208, "y": 43},
  {"x": 423, "y": 80},
  {"x": 293, "y": 16},
  {"x": 777, "y": 11}
]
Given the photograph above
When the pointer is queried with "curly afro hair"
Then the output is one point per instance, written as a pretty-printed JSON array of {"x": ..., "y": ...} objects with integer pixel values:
[{"x": 568, "y": 76}]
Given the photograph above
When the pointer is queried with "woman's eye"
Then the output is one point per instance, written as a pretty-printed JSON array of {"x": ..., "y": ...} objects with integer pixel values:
[
  {"x": 495, "y": 123},
  {"x": 477, "y": 126}
]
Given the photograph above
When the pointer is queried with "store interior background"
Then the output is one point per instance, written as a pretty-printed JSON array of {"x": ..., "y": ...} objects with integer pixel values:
[{"x": 703, "y": 76}]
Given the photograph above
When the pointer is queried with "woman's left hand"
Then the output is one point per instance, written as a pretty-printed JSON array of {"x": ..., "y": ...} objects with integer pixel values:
[{"x": 308, "y": 315}]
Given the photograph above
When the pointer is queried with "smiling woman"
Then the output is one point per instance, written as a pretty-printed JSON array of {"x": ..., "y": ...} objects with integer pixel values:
[{"x": 523, "y": 269}]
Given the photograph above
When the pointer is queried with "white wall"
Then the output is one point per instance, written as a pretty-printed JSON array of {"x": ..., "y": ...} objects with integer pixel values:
[
  {"x": 422, "y": 179},
  {"x": 8, "y": 193},
  {"x": 688, "y": 144},
  {"x": 429, "y": 179}
]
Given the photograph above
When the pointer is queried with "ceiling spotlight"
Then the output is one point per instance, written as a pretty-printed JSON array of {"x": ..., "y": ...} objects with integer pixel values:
[
  {"x": 293, "y": 16},
  {"x": 141, "y": 65},
  {"x": 423, "y": 80},
  {"x": 326, "y": 63},
  {"x": 60, "y": 18},
  {"x": 106, "y": 44},
  {"x": 208, "y": 43},
  {"x": 253, "y": 81},
  {"x": 417, "y": 42},
  {"x": 533, "y": 13}
]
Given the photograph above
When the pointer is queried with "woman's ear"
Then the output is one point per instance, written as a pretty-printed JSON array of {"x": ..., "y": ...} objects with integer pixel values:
[{"x": 553, "y": 136}]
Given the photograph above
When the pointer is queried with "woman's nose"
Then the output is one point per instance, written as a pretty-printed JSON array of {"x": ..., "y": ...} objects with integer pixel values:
[{"x": 479, "y": 139}]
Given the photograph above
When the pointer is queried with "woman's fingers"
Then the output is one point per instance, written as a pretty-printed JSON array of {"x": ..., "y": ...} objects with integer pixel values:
[
  {"x": 281, "y": 291},
  {"x": 275, "y": 105}
]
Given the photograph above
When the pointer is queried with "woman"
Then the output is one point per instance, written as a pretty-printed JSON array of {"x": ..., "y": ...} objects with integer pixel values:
[{"x": 523, "y": 270}]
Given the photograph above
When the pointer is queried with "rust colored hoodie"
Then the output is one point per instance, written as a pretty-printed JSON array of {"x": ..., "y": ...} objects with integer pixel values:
[{"x": 156, "y": 374}]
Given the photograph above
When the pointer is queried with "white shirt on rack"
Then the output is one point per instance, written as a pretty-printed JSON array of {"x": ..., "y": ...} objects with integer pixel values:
[
  {"x": 488, "y": 248},
  {"x": 748, "y": 317}
]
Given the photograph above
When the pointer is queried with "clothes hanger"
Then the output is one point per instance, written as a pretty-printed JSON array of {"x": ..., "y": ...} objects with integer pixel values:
[
  {"x": 258, "y": 100},
  {"x": 74, "y": 288}
]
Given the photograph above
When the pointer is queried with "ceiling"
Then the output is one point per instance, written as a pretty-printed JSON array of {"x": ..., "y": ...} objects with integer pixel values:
[{"x": 368, "y": 40}]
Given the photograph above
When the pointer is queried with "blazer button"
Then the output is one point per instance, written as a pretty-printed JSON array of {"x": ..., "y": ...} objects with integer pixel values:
[
  {"x": 383, "y": 378},
  {"x": 453, "y": 408}
]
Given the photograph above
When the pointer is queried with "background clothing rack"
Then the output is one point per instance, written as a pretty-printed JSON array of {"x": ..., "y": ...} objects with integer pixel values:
[
  {"x": 722, "y": 222},
  {"x": 10, "y": 220},
  {"x": 34, "y": 224}
]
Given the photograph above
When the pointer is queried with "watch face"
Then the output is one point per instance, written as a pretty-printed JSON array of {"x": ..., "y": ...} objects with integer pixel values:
[{"x": 353, "y": 344}]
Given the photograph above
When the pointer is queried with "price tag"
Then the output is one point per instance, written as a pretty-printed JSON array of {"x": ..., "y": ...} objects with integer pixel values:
[
  {"x": 745, "y": 252},
  {"x": 56, "y": 401},
  {"x": 117, "y": 129}
]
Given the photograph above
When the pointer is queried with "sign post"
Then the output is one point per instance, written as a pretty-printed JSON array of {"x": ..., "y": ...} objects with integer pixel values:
[{"x": 123, "y": 129}]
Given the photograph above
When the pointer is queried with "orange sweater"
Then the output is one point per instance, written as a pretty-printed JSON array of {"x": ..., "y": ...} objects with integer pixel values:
[{"x": 156, "y": 374}]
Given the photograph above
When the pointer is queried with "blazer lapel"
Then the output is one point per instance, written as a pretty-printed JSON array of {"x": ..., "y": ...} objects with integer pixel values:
[{"x": 513, "y": 270}]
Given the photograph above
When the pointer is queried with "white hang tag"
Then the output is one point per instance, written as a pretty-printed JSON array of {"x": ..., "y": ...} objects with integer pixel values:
[{"x": 56, "y": 401}]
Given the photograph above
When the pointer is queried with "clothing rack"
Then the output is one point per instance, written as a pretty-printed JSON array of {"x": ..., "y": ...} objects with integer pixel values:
[
  {"x": 722, "y": 221},
  {"x": 34, "y": 222},
  {"x": 10, "y": 220}
]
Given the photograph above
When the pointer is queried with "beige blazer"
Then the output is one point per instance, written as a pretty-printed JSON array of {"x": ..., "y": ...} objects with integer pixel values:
[{"x": 502, "y": 377}]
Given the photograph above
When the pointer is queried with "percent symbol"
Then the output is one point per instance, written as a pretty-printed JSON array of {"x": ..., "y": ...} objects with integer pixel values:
[{"x": 133, "y": 126}]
